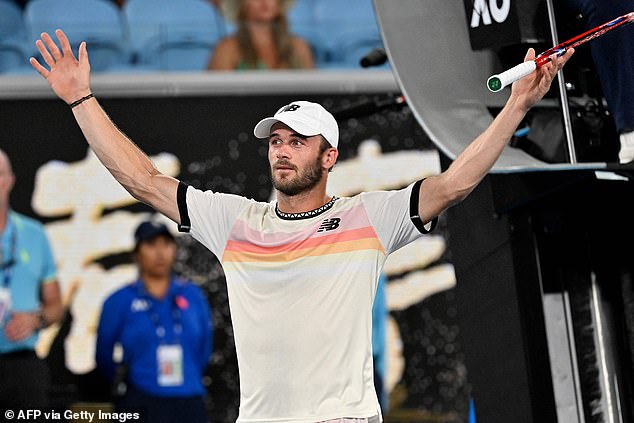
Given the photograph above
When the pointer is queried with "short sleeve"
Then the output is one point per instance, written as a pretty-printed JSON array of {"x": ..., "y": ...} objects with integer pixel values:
[
  {"x": 389, "y": 212},
  {"x": 211, "y": 216}
]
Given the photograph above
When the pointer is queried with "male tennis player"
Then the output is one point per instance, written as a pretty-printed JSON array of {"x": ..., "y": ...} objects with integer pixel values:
[{"x": 301, "y": 271}]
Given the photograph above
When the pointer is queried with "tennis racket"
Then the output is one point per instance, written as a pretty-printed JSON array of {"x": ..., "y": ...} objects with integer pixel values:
[{"x": 497, "y": 82}]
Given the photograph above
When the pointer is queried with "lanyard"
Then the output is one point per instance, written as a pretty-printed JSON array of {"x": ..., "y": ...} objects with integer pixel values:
[
  {"x": 174, "y": 311},
  {"x": 7, "y": 267}
]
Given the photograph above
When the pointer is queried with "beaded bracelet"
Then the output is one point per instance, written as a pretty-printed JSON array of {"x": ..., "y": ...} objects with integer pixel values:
[{"x": 81, "y": 100}]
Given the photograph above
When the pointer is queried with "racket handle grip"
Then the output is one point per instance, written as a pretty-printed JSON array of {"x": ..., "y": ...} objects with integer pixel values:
[{"x": 495, "y": 83}]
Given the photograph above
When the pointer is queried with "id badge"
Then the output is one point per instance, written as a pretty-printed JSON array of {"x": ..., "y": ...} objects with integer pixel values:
[
  {"x": 170, "y": 365},
  {"x": 5, "y": 305}
]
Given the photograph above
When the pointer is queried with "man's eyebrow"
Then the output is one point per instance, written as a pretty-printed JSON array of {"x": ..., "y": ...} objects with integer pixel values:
[{"x": 294, "y": 134}]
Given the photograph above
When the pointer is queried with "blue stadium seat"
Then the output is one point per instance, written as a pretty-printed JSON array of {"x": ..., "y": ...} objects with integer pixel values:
[
  {"x": 302, "y": 22},
  {"x": 302, "y": 12},
  {"x": 11, "y": 23},
  {"x": 349, "y": 29},
  {"x": 14, "y": 45},
  {"x": 98, "y": 22},
  {"x": 173, "y": 35}
]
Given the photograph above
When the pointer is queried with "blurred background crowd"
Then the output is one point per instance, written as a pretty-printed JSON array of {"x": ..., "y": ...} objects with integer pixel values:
[{"x": 194, "y": 35}]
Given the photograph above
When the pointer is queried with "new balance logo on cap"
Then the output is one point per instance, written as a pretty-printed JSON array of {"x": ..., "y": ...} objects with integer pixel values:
[
  {"x": 308, "y": 119},
  {"x": 290, "y": 108}
]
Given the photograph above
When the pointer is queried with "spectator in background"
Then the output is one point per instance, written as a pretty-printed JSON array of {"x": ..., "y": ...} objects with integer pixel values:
[
  {"x": 30, "y": 300},
  {"x": 613, "y": 56},
  {"x": 262, "y": 39},
  {"x": 163, "y": 325},
  {"x": 379, "y": 351}
]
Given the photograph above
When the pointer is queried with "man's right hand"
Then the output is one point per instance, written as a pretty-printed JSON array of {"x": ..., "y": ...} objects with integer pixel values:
[{"x": 68, "y": 77}]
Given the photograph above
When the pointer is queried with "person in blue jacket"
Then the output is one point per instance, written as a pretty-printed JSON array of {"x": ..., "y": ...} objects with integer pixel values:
[{"x": 162, "y": 324}]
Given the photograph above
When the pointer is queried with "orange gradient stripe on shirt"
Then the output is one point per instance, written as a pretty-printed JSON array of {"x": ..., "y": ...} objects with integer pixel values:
[{"x": 343, "y": 242}]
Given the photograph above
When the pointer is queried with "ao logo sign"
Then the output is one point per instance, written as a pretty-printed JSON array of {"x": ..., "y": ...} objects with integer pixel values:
[{"x": 489, "y": 9}]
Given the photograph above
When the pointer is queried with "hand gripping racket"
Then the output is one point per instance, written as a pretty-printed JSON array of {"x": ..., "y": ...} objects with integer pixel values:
[{"x": 495, "y": 83}]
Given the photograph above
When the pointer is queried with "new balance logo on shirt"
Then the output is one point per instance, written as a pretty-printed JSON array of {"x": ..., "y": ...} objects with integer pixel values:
[{"x": 329, "y": 224}]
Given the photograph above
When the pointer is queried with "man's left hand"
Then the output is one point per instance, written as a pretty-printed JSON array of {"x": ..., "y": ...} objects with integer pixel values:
[{"x": 532, "y": 88}]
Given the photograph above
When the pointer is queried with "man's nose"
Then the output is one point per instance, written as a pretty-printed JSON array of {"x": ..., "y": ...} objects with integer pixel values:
[{"x": 282, "y": 151}]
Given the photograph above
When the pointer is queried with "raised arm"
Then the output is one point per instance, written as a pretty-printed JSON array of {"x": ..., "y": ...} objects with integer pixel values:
[
  {"x": 70, "y": 80},
  {"x": 437, "y": 193}
]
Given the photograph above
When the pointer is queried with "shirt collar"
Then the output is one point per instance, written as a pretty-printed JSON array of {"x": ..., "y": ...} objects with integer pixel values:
[
  {"x": 307, "y": 214},
  {"x": 171, "y": 291}
]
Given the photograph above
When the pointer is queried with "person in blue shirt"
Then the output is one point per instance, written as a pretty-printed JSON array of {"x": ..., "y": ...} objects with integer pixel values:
[
  {"x": 380, "y": 314},
  {"x": 163, "y": 325},
  {"x": 30, "y": 300}
]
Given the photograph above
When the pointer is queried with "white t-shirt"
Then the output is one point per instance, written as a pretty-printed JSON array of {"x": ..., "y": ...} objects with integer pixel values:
[{"x": 301, "y": 289}]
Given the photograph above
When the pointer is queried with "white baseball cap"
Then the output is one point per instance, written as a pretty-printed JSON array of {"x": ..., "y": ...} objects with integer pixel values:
[{"x": 306, "y": 118}]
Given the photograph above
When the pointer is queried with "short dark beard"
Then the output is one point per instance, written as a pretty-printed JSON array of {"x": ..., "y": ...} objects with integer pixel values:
[{"x": 311, "y": 177}]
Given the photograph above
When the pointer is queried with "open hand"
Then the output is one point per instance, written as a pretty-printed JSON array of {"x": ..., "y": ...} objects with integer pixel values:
[
  {"x": 532, "y": 88},
  {"x": 68, "y": 77}
]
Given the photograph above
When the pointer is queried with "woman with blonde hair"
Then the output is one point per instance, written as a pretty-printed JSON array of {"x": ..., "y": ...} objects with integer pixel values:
[{"x": 262, "y": 39}]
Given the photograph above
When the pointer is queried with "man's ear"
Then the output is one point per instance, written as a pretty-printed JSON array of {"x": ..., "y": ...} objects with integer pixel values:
[{"x": 330, "y": 157}]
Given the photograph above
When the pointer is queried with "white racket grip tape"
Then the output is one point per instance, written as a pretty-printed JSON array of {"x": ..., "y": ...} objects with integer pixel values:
[{"x": 496, "y": 82}]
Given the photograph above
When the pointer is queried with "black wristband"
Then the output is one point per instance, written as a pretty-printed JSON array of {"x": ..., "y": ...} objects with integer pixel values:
[{"x": 81, "y": 100}]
